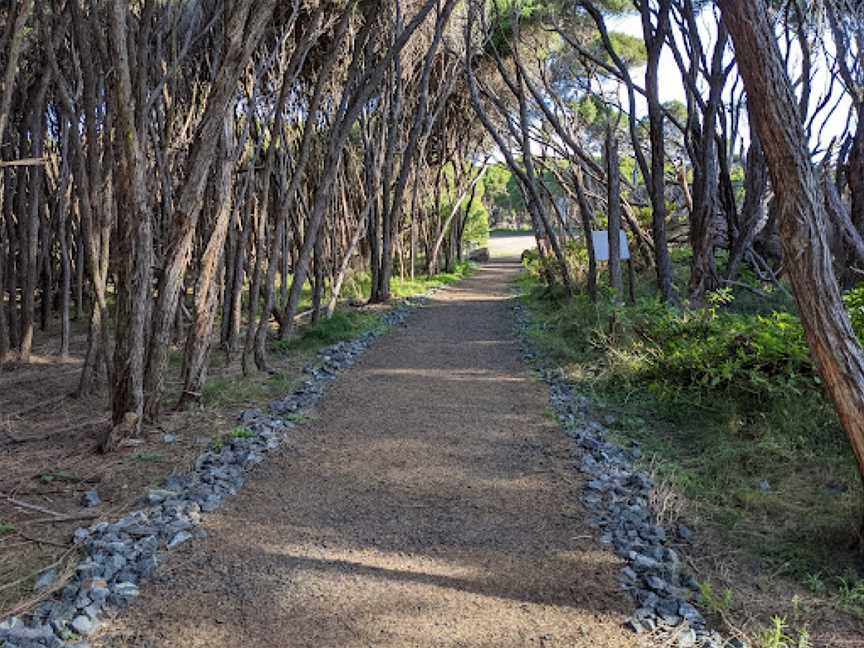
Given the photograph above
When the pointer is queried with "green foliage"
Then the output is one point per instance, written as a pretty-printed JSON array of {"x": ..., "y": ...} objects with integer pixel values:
[
  {"x": 476, "y": 229},
  {"x": 615, "y": 6},
  {"x": 691, "y": 353},
  {"x": 851, "y": 594},
  {"x": 6, "y": 528},
  {"x": 343, "y": 326},
  {"x": 231, "y": 390},
  {"x": 538, "y": 266},
  {"x": 502, "y": 191},
  {"x": 721, "y": 401},
  {"x": 631, "y": 49},
  {"x": 477, "y": 224},
  {"x": 506, "y": 15},
  {"x": 781, "y": 635},
  {"x": 148, "y": 457},
  {"x": 815, "y": 583},
  {"x": 854, "y": 300},
  {"x": 241, "y": 433},
  {"x": 713, "y": 600},
  {"x": 237, "y": 433}
]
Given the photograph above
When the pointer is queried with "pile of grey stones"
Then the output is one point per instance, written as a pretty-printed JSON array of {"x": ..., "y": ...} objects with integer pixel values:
[
  {"x": 618, "y": 496},
  {"x": 120, "y": 555}
]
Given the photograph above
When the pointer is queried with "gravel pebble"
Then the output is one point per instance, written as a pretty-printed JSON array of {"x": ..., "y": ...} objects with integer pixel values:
[
  {"x": 618, "y": 495},
  {"x": 122, "y": 553}
]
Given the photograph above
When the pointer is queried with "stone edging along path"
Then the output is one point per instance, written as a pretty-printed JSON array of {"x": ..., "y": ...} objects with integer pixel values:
[
  {"x": 618, "y": 496},
  {"x": 119, "y": 555}
]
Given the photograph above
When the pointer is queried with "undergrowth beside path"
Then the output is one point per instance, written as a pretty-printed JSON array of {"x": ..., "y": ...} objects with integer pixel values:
[
  {"x": 728, "y": 414},
  {"x": 347, "y": 323}
]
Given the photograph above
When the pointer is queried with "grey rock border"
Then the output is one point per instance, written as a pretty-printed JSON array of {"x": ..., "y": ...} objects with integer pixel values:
[
  {"x": 618, "y": 497},
  {"x": 119, "y": 556}
]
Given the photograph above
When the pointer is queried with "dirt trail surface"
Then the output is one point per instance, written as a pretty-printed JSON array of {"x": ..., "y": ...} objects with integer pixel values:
[{"x": 430, "y": 502}]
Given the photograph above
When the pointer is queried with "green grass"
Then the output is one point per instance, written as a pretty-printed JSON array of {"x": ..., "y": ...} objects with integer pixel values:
[
  {"x": 343, "y": 326},
  {"x": 717, "y": 446},
  {"x": 358, "y": 286},
  {"x": 237, "y": 433},
  {"x": 234, "y": 390},
  {"x": 350, "y": 323},
  {"x": 780, "y": 634},
  {"x": 6, "y": 528},
  {"x": 231, "y": 390},
  {"x": 347, "y": 324},
  {"x": 148, "y": 457}
]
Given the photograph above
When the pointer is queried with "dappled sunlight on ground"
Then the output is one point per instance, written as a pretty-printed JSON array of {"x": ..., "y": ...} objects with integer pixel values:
[{"x": 429, "y": 502}]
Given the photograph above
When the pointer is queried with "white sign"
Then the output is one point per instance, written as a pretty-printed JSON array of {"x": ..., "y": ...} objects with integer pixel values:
[{"x": 601, "y": 245}]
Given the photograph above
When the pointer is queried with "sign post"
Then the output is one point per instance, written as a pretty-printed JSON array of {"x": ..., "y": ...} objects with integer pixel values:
[{"x": 600, "y": 240}]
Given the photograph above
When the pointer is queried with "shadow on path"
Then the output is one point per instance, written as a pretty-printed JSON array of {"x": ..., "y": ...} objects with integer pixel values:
[{"x": 431, "y": 502}]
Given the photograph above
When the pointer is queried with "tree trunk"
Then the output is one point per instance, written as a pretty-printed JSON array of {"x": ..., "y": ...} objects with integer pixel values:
[
  {"x": 613, "y": 197},
  {"x": 207, "y": 287},
  {"x": 16, "y": 47},
  {"x": 587, "y": 217},
  {"x": 136, "y": 244},
  {"x": 243, "y": 31},
  {"x": 31, "y": 272},
  {"x": 833, "y": 344},
  {"x": 359, "y": 89},
  {"x": 346, "y": 262},
  {"x": 318, "y": 285},
  {"x": 754, "y": 210},
  {"x": 654, "y": 39},
  {"x": 4, "y": 322}
]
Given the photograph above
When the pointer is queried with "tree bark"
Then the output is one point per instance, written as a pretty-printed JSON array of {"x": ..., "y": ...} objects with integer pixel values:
[
  {"x": 587, "y": 218},
  {"x": 613, "y": 213},
  {"x": 358, "y": 91},
  {"x": 835, "y": 348},
  {"x": 207, "y": 285},
  {"x": 243, "y": 31},
  {"x": 654, "y": 40},
  {"x": 136, "y": 244}
]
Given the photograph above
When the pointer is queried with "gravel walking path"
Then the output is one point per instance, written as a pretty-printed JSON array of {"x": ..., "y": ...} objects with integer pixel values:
[{"x": 430, "y": 502}]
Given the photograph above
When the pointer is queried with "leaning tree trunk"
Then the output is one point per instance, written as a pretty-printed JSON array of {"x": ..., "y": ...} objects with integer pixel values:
[
  {"x": 586, "y": 215},
  {"x": 207, "y": 285},
  {"x": 613, "y": 197},
  {"x": 346, "y": 261},
  {"x": 37, "y": 180},
  {"x": 855, "y": 173},
  {"x": 4, "y": 323},
  {"x": 801, "y": 213},
  {"x": 17, "y": 44},
  {"x": 244, "y": 28}
]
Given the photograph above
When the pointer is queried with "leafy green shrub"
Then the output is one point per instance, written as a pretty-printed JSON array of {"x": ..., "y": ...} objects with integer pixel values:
[
  {"x": 712, "y": 599},
  {"x": 854, "y": 300},
  {"x": 762, "y": 356},
  {"x": 758, "y": 357},
  {"x": 781, "y": 635}
]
